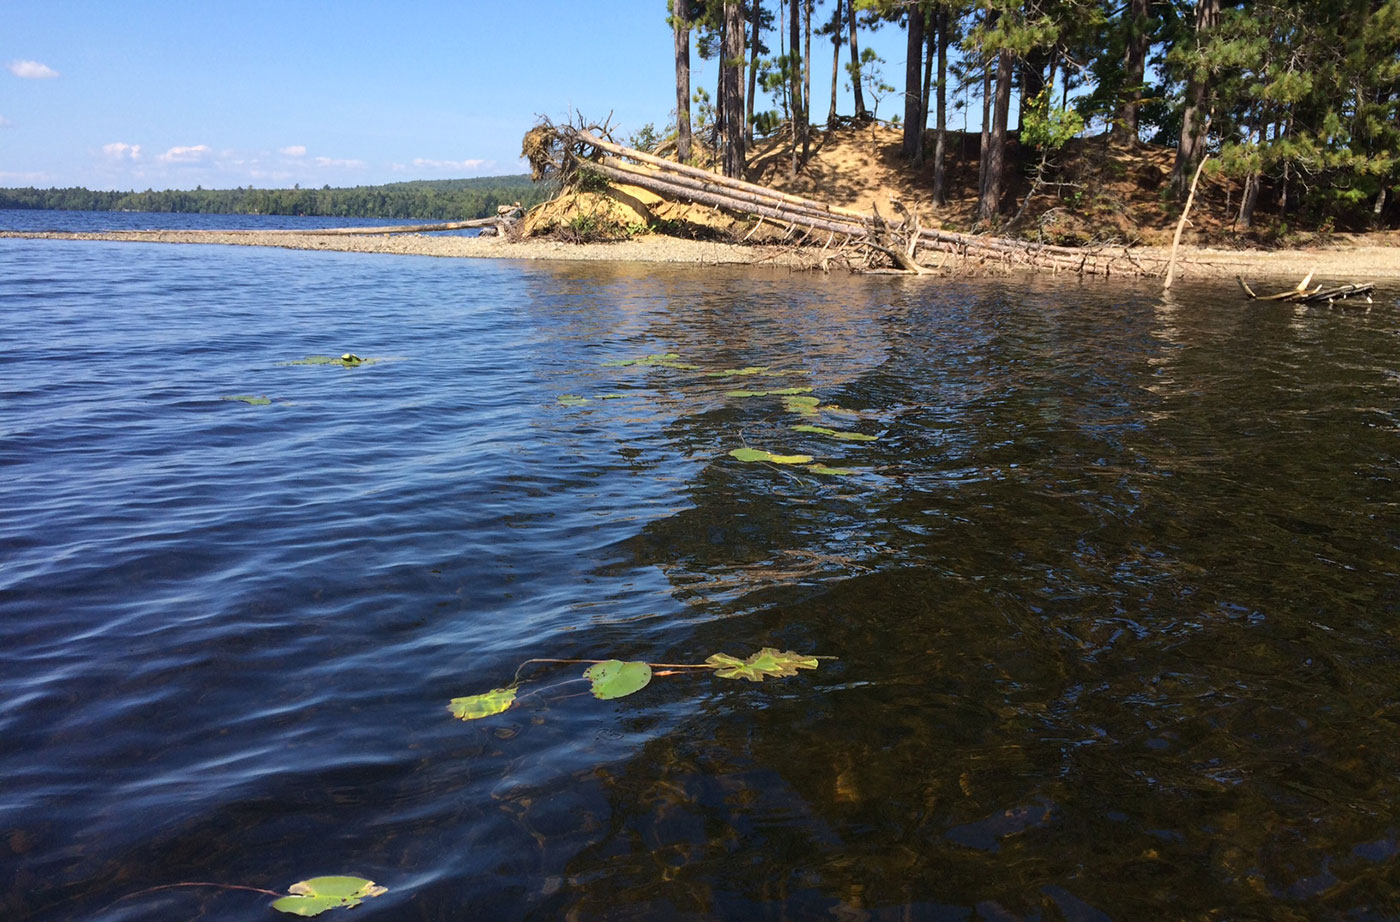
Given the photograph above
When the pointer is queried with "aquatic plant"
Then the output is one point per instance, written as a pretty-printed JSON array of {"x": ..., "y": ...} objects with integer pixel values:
[
  {"x": 249, "y": 399},
  {"x": 655, "y": 360},
  {"x": 305, "y": 898},
  {"x": 313, "y": 897},
  {"x": 347, "y": 360},
  {"x": 612, "y": 678},
  {"x": 779, "y": 392},
  {"x": 836, "y": 433},
  {"x": 756, "y": 454}
]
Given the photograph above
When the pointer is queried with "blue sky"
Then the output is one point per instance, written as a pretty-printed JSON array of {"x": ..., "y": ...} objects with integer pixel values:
[{"x": 152, "y": 94}]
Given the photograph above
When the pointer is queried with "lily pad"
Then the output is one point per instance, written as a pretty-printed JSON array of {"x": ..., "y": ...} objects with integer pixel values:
[
  {"x": 780, "y": 392},
  {"x": 572, "y": 400},
  {"x": 755, "y": 454},
  {"x": 347, "y": 360},
  {"x": 313, "y": 897},
  {"x": 249, "y": 399},
  {"x": 743, "y": 372},
  {"x": 475, "y": 707},
  {"x": 766, "y": 662},
  {"x": 615, "y": 679},
  {"x": 832, "y": 471},
  {"x": 837, "y": 434},
  {"x": 656, "y": 360},
  {"x": 806, "y": 406}
]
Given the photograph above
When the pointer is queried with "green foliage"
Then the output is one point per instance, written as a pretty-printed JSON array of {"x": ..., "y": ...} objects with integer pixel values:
[
  {"x": 766, "y": 663},
  {"x": 315, "y": 896},
  {"x": 475, "y": 707},
  {"x": 611, "y": 679},
  {"x": 348, "y": 360},
  {"x": 836, "y": 434},
  {"x": 446, "y": 199},
  {"x": 1048, "y": 127},
  {"x": 249, "y": 399},
  {"x": 646, "y": 139},
  {"x": 755, "y": 454},
  {"x": 615, "y": 679},
  {"x": 779, "y": 392},
  {"x": 661, "y": 360},
  {"x": 832, "y": 471}
]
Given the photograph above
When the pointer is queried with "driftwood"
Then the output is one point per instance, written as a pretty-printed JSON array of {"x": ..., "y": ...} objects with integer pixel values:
[
  {"x": 569, "y": 152},
  {"x": 1303, "y": 295}
]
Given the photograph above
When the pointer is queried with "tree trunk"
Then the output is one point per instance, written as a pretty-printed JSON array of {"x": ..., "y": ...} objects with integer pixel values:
[
  {"x": 680, "y": 19},
  {"x": 806, "y": 78},
  {"x": 799, "y": 116},
  {"x": 1032, "y": 81},
  {"x": 1134, "y": 64},
  {"x": 731, "y": 78},
  {"x": 940, "y": 192},
  {"x": 753, "y": 73},
  {"x": 1196, "y": 116},
  {"x": 835, "y": 64},
  {"x": 986, "y": 130},
  {"x": 913, "y": 79},
  {"x": 862, "y": 113},
  {"x": 990, "y": 205}
]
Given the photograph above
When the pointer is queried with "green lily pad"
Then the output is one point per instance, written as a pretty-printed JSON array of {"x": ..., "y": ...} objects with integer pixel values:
[
  {"x": 616, "y": 679},
  {"x": 249, "y": 399},
  {"x": 755, "y": 454},
  {"x": 475, "y": 707},
  {"x": 656, "y": 360},
  {"x": 743, "y": 372},
  {"x": 832, "y": 471},
  {"x": 313, "y": 897},
  {"x": 764, "y": 663},
  {"x": 837, "y": 434},
  {"x": 572, "y": 400},
  {"x": 348, "y": 360},
  {"x": 806, "y": 406},
  {"x": 780, "y": 392}
]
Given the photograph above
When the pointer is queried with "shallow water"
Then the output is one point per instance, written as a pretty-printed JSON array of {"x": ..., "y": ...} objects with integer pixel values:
[{"x": 1115, "y": 597}]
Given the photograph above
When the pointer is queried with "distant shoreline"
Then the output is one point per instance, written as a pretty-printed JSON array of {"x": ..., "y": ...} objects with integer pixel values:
[{"x": 1341, "y": 264}]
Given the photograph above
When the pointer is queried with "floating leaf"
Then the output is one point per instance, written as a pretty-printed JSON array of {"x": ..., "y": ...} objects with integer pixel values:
[
  {"x": 766, "y": 662},
  {"x": 572, "y": 400},
  {"x": 743, "y": 372},
  {"x": 614, "y": 396},
  {"x": 837, "y": 434},
  {"x": 755, "y": 454},
  {"x": 656, "y": 360},
  {"x": 313, "y": 897},
  {"x": 833, "y": 471},
  {"x": 249, "y": 399},
  {"x": 348, "y": 360},
  {"x": 475, "y": 707},
  {"x": 615, "y": 679},
  {"x": 780, "y": 392},
  {"x": 807, "y": 406}
]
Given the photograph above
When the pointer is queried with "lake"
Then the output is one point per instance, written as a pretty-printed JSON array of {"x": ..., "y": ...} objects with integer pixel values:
[{"x": 1112, "y": 599}]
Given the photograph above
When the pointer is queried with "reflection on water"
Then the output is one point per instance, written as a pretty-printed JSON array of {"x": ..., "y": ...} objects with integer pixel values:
[{"x": 1113, "y": 595}]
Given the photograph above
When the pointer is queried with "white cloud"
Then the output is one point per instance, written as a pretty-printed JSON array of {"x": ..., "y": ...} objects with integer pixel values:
[
  {"x": 296, "y": 150},
  {"x": 119, "y": 151},
  {"x": 341, "y": 164},
  {"x": 192, "y": 154},
  {"x": 424, "y": 164},
  {"x": 32, "y": 70}
]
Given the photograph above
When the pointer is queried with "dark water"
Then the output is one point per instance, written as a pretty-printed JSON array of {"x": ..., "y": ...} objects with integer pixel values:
[
  {"x": 1115, "y": 597},
  {"x": 41, "y": 220}
]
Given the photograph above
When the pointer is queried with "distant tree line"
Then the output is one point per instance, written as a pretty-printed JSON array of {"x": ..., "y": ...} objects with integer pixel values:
[
  {"x": 446, "y": 199},
  {"x": 1297, "y": 100}
]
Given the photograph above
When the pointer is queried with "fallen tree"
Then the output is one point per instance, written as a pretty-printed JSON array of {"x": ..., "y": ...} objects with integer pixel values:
[{"x": 580, "y": 155}]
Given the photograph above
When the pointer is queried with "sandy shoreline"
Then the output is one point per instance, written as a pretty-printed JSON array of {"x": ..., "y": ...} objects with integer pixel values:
[{"x": 1345, "y": 263}]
